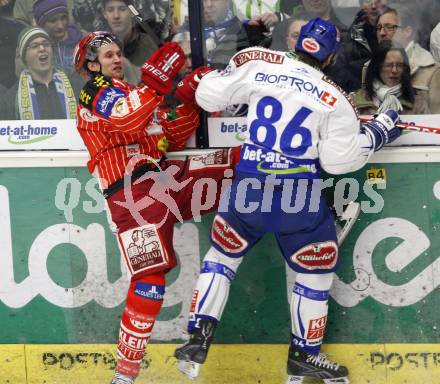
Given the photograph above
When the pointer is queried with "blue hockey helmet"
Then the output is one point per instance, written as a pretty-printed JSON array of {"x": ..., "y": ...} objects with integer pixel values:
[{"x": 319, "y": 39}]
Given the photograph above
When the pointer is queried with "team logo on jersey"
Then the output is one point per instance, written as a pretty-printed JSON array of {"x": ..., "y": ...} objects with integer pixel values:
[
  {"x": 310, "y": 45},
  {"x": 107, "y": 99},
  {"x": 256, "y": 54},
  {"x": 328, "y": 98},
  {"x": 317, "y": 256},
  {"x": 227, "y": 237},
  {"x": 88, "y": 116}
]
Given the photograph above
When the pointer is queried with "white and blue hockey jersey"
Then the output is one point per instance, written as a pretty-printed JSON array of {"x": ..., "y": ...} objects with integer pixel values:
[{"x": 298, "y": 120}]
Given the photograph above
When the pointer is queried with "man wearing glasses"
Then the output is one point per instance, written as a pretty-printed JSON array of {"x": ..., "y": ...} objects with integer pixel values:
[
  {"x": 399, "y": 25},
  {"x": 42, "y": 91},
  {"x": 358, "y": 46}
]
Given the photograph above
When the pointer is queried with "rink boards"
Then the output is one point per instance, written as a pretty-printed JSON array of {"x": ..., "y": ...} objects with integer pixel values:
[
  {"x": 246, "y": 364},
  {"x": 62, "y": 283}
]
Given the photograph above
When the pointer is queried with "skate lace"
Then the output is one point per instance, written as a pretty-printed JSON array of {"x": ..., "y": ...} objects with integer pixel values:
[
  {"x": 322, "y": 361},
  {"x": 122, "y": 379}
]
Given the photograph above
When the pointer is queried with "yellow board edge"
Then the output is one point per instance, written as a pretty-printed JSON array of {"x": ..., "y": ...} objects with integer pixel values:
[{"x": 227, "y": 364}]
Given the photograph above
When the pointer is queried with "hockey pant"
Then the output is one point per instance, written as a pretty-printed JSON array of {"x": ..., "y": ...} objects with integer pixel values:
[{"x": 145, "y": 210}]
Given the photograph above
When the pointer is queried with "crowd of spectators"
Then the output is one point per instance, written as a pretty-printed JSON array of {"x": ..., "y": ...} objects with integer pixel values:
[{"x": 389, "y": 53}]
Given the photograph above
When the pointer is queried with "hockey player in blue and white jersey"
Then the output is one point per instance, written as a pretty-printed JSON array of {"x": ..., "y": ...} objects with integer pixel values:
[{"x": 299, "y": 123}]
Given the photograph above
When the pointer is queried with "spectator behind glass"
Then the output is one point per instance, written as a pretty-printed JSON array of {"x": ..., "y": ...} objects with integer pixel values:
[
  {"x": 183, "y": 39},
  {"x": 224, "y": 32},
  {"x": 435, "y": 43},
  {"x": 358, "y": 45},
  {"x": 23, "y": 10},
  {"x": 42, "y": 92},
  {"x": 6, "y": 7},
  {"x": 427, "y": 13},
  {"x": 293, "y": 29},
  {"x": 52, "y": 16},
  {"x": 286, "y": 33},
  {"x": 400, "y": 26},
  {"x": 9, "y": 32},
  {"x": 89, "y": 14},
  {"x": 138, "y": 46},
  {"x": 324, "y": 10},
  {"x": 258, "y": 12},
  {"x": 388, "y": 84}
]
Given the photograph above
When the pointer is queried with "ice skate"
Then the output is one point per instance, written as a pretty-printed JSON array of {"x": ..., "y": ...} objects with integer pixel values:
[
  {"x": 122, "y": 379},
  {"x": 300, "y": 365},
  {"x": 347, "y": 220},
  {"x": 194, "y": 352}
]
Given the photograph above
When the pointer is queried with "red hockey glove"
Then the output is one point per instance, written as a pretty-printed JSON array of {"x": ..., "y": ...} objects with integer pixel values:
[
  {"x": 186, "y": 89},
  {"x": 160, "y": 69}
]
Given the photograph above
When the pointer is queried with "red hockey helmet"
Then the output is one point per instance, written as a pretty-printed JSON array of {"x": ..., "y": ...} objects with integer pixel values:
[{"x": 87, "y": 49}]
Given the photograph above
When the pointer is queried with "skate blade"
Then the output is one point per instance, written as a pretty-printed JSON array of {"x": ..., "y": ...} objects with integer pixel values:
[
  {"x": 339, "y": 380},
  {"x": 350, "y": 216},
  {"x": 291, "y": 379},
  {"x": 189, "y": 368},
  {"x": 352, "y": 211}
]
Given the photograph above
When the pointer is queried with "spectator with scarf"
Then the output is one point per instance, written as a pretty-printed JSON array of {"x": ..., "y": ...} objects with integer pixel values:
[
  {"x": 388, "y": 84},
  {"x": 42, "y": 92}
]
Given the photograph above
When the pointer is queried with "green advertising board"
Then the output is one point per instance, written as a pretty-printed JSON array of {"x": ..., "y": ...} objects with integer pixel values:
[{"x": 62, "y": 280}]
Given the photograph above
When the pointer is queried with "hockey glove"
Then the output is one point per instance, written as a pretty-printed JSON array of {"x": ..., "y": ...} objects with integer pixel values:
[
  {"x": 382, "y": 128},
  {"x": 160, "y": 69},
  {"x": 186, "y": 89}
]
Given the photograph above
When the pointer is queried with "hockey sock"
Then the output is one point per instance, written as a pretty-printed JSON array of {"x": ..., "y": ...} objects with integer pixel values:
[
  {"x": 212, "y": 288},
  {"x": 144, "y": 300},
  {"x": 308, "y": 310}
]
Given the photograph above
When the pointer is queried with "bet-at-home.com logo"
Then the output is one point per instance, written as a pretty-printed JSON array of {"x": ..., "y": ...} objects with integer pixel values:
[{"x": 27, "y": 134}]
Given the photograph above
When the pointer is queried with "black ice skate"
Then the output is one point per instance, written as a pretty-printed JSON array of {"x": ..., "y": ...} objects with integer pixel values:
[
  {"x": 195, "y": 350},
  {"x": 300, "y": 365},
  {"x": 122, "y": 379}
]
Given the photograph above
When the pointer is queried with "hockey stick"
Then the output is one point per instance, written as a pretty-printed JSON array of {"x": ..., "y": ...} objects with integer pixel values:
[
  {"x": 411, "y": 127},
  {"x": 142, "y": 22}
]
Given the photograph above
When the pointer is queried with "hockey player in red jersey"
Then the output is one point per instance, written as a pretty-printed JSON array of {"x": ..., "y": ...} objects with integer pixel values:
[{"x": 127, "y": 136}]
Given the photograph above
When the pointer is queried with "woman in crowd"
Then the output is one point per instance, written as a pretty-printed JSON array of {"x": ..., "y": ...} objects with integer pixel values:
[{"x": 388, "y": 84}]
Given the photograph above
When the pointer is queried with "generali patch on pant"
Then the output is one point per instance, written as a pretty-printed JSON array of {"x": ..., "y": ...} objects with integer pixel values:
[
  {"x": 322, "y": 255},
  {"x": 215, "y": 159},
  {"x": 143, "y": 249}
]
